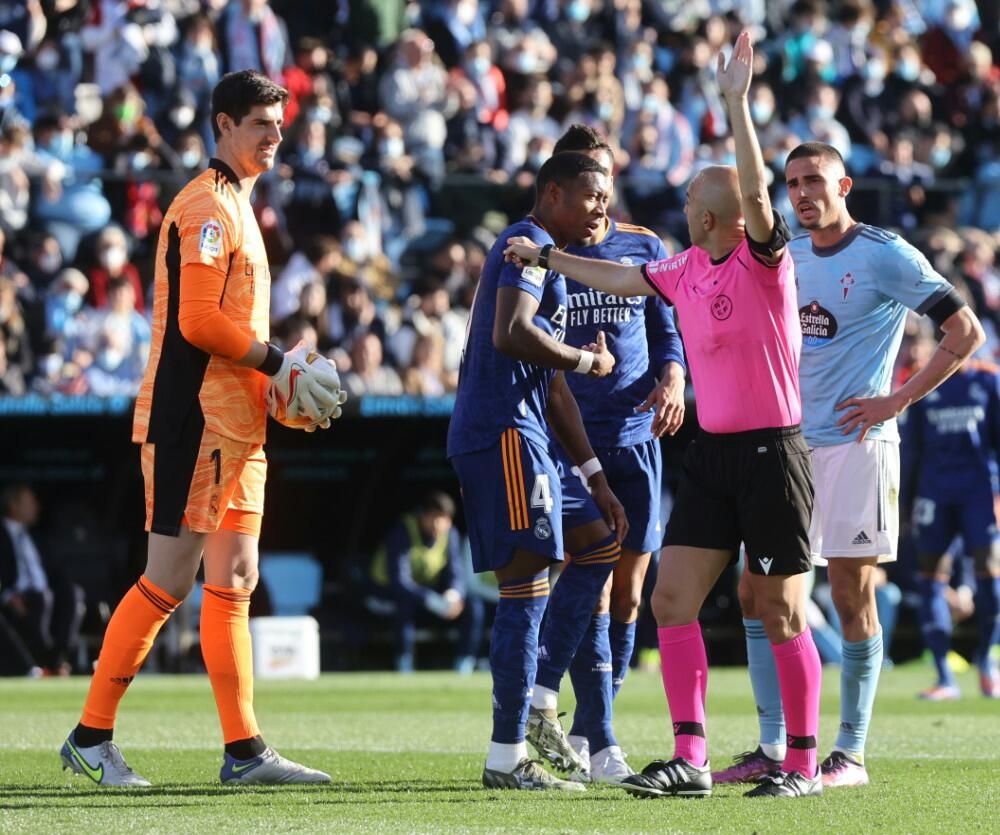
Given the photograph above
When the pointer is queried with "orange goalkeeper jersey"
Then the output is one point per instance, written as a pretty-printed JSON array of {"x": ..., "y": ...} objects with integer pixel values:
[{"x": 208, "y": 223}]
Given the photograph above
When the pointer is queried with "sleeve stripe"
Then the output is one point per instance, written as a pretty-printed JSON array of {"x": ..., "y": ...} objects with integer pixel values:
[{"x": 651, "y": 283}]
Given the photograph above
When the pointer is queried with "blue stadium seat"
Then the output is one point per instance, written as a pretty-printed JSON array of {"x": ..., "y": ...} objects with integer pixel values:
[{"x": 294, "y": 580}]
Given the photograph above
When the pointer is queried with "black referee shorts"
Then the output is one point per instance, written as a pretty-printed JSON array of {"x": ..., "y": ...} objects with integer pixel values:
[{"x": 752, "y": 487}]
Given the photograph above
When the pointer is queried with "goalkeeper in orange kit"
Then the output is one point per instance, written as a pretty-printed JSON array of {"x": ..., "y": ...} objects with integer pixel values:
[{"x": 200, "y": 417}]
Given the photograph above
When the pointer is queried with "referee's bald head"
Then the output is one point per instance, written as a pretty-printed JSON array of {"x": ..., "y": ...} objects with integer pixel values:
[{"x": 717, "y": 190}]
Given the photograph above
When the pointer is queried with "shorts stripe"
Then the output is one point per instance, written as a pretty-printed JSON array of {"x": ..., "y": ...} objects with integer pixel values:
[
  {"x": 517, "y": 504},
  {"x": 880, "y": 482}
]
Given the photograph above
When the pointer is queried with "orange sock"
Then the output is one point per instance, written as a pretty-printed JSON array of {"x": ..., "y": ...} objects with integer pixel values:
[
  {"x": 225, "y": 646},
  {"x": 127, "y": 641}
]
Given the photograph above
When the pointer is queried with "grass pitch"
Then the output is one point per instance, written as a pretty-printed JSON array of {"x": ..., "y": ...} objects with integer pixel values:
[{"x": 406, "y": 753}]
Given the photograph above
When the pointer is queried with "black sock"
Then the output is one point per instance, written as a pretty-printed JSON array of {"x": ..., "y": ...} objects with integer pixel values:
[
  {"x": 246, "y": 749},
  {"x": 85, "y": 737}
]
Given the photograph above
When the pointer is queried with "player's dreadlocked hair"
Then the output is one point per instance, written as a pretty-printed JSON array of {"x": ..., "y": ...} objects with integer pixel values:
[{"x": 582, "y": 138}]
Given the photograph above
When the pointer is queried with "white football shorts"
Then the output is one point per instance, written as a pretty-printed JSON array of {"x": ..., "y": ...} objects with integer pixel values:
[{"x": 856, "y": 511}]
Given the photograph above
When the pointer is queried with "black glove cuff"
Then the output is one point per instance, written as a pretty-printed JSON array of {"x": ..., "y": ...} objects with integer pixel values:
[{"x": 273, "y": 361}]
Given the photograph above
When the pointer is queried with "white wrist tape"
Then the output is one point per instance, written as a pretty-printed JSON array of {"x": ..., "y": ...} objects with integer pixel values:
[
  {"x": 586, "y": 362},
  {"x": 589, "y": 468}
]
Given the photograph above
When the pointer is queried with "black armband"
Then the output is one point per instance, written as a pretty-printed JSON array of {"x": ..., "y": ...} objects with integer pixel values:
[
  {"x": 943, "y": 307},
  {"x": 272, "y": 362},
  {"x": 780, "y": 236},
  {"x": 543, "y": 256}
]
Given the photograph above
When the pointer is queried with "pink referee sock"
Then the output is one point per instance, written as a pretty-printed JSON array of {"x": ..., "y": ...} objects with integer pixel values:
[
  {"x": 800, "y": 676},
  {"x": 685, "y": 678}
]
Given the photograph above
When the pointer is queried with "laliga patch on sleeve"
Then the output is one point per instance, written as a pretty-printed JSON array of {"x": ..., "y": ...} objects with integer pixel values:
[
  {"x": 534, "y": 275},
  {"x": 210, "y": 240}
]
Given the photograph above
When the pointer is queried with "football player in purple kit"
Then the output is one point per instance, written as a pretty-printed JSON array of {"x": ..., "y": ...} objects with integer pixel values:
[
  {"x": 624, "y": 414},
  {"x": 951, "y": 447},
  {"x": 512, "y": 391}
]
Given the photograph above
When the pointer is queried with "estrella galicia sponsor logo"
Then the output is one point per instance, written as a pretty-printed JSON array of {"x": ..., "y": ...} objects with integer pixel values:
[
  {"x": 819, "y": 325},
  {"x": 722, "y": 307},
  {"x": 123, "y": 681}
]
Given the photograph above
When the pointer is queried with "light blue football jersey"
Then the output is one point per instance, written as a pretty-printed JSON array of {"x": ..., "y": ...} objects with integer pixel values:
[{"x": 853, "y": 299}]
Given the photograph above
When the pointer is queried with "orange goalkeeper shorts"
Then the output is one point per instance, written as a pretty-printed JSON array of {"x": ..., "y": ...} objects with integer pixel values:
[{"x": 219, "y": 486}]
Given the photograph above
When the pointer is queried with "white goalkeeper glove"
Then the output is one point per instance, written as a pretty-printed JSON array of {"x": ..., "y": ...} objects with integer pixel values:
[
  {"x": 337, "y": 412},
  {"x": 304, "y": 384}
]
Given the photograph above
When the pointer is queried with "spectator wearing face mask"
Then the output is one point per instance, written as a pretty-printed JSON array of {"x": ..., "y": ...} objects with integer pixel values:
[
  {"x": 69, "y": 323},
  {"x": 819, "y": 123},
  {"x": 254, "y": 37},
  {"x": 70, "y": 202},
  {"x": 199, "y": 68},
  {"x": 45, "y": 260},
  {"x": 111, "y": 250},
  {"x": 365, "y": 261},
  {"x": 865, "y": 113},
  {"x": 54, "y": 75},
  {"x": 319, "y": 257}
]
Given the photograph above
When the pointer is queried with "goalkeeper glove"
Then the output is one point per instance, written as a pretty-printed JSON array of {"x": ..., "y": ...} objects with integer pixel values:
[{"x": 303, "y": 382}]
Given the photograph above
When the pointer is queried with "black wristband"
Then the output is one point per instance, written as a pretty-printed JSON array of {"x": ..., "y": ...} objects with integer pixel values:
[
  {"x": 273, "y": 361},
  {"x": 543, "y": 256}
]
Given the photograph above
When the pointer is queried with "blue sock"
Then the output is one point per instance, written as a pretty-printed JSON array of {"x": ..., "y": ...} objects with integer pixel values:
[
  {"x": 764, "y": 683},
  {"x": 590, "y": 673},
  {"x": 573, "y": 599},
  {"x": 935, "y": 624},
  {"x": 514, "y": 653},
  {"x": 987, "y": 618},
  {"x": 858, "y": 683},
  {"x": 622, "y": 636}
]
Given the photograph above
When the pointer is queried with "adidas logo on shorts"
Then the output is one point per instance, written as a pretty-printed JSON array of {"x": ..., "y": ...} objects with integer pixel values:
[{"x": 861, "y": 539}]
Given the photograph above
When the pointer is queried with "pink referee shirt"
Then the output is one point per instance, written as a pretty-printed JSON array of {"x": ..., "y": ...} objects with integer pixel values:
[{"x": 740, "y": 325}]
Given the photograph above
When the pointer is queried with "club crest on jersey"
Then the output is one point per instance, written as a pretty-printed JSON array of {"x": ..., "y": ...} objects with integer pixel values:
[
  {"x": 722, "y": 307},
  {"x": 819, "y": 325},
  {"x": 210, "y": 239},
  {"x": 847, "y": 282},
  {"x": 628, "y": 262},
  {"x": 543, "y": 530}
]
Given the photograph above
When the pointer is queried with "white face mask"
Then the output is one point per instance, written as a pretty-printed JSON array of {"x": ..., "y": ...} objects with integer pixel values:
[
  {"x": 356, "y": 249},
  {"x": 47, "y": 60},
  {"x": 114, "y": 258},
  {"x": 49, "y": 262}
]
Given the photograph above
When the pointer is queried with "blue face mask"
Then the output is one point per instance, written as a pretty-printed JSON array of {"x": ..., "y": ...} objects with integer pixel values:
[
  {"x": 908, "y": 70},
  {"x": 874, "y": 71},
  {"x": 640, "y": 62},
  {"x": 7, "y": 63},
  {"x": 526, "y": 63},
  {"x": 651, "y": 104},
  {"x": 818, "y": 111},
  {"x": 578, "y": 11},
  {"x": 761, "y": 112},
  {"x": 605, "y": 110},
  {"x": 940, "y": 157},
  {"x": 320, "y": 114},
  {"x": 60, "y": 145},
  {"x": 478, "y": 67}
]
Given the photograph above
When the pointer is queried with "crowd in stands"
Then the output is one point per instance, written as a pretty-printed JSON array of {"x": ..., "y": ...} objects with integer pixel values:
[{"x": 413, "y": 132}]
